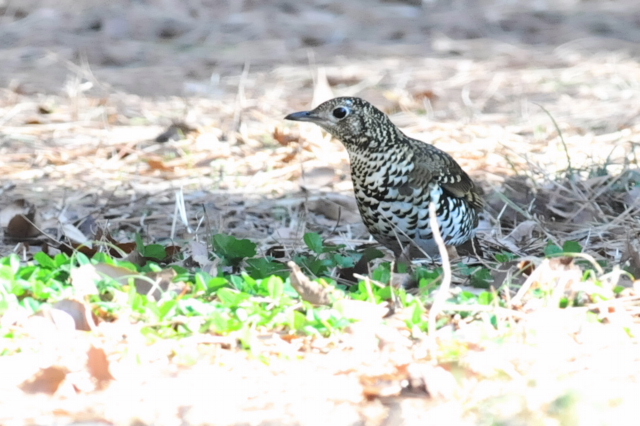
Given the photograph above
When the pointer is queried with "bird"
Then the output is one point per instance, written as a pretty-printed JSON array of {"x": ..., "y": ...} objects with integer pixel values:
[{"x": 395, "y": 177}]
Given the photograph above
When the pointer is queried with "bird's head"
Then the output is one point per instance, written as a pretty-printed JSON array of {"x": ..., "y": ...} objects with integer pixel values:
[{"x": 354, "y": 121}]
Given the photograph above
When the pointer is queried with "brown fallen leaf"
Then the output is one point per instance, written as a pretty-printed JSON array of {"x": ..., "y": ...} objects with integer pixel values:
[
  {"x": 175, "y": 132},
  {"x": 33, "y": 120},
  {"x": 116, "y": 272},
  {"x": 413, "y": 379},
  {"x": 157, "y": 163},
  {"x": 424, "y": 93},
  {"x": 13, "y": 209},
  {"x": 44, "y": 109},
  {"x": 123, "y": 247},
  {"x": 22, "y": 226},
  {"x": 289, "y": 157},
  {"x": 513, "y": 272},
  {"x": 172, "y": 253},
  {"x": 47, "y": 380},
  {"x": 98, "y": 366},
  {"x": 524, "y": 231},
  {"x": 71, "y": 248},
  {"x": 285, "y": 136},
  {"x": 152, "y": 284},
  {"x": 277, "y": 251},
  {"x": 135, "y": 257},
  {"x": 434, "y": 380},
  {"x": 80, "y": 312},
  {"x": 383, "y": 385},
  {"x": 160, "y": 283},
  {"x": 52, "y": 321},
  {"x": 311, "y": 291},
  {"x": 74, "y": 234},
  {"x": 336, "y": 206}
]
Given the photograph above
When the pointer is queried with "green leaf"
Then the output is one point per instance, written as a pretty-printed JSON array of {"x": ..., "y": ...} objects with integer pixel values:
[
  {"x": 417, "y": 316},
  {"x": 32, "y": 304},
  {"x": 217, "y": 282},
  {"x": 344, "y": 261},
  {"x": 7, "y": 274},
  {"x": 44, "y": 260},
  {"x": 495, "y": 322},
  {"x": 231, "y": 298},
  {"x": 237, "y": 282},
  {"x": 233, "y": 249},
  {"x": 155, "y": 251},
  {"x": 11, "y": 264},
  {"x": 81, "y": 258},
  {"x": 552, "y": 250},
  {"x": 486, "y": 298},
  {"x": 299, "y": 320},
  {"x": 428, "y": 279},
  {"x": 467, "y": 296},
  {"x": 194, "y": 307},
  {"x": 222, "y": 323},
  {"x": 315, "y": 265},
  {"x": 275, "y": 287},
  {"x": 200, "y": 282},
  {"x": 482, "y": 278},
  {"x": 382, "y": 273},
  {"x": 572, "y": 247},
  {"x": 386, "y": 293},
  {"x": 504, "y": 257},
  {"x": 315, "y": 242},
  {"x": 168, "y": 307},
  {"x": 261, "y": 267},
  {"x": 139, "y": 242},
  {"x": 5, "y": 305},
  {"x": 61, "y": 259}
]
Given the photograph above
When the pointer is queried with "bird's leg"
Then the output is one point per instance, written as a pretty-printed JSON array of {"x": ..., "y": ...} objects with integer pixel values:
[
  {"x": 402, "y": 269},
  {"x": 403, "y": 259},
  {"x": 453, "y": 253}
]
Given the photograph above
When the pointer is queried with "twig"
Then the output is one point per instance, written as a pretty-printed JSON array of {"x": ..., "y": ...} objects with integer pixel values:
[
  {"x": 528, "y": 216},
  {"x": 588, "y": 258},
  {"x": 240, "y": 98},
  {"x": 180, "y": 211},
  {"x": 441, "y": 295},
  {"x": 483, "y": 308},
  {"x": 528, "y": 283},
  {"x": 368, "y": 281},
  {"x": 564, "y": 144}
]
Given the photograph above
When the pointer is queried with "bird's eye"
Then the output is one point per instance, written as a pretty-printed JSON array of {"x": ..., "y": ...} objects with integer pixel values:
[{"x": 340, "y": 112}]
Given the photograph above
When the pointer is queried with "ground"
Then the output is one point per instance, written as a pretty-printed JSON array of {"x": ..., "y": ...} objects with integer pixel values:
[{"x": 547, "y": 93}]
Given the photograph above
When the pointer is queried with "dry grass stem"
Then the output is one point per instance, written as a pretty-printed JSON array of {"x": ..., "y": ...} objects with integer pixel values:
[{"x": 443, "y": 291}]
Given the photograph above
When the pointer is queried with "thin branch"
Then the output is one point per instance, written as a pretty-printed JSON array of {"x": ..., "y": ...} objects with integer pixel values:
[{"x": 443, "y": 291}]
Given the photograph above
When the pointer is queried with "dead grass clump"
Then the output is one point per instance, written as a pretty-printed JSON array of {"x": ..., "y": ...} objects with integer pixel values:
[{"x": 597, "y": 209}]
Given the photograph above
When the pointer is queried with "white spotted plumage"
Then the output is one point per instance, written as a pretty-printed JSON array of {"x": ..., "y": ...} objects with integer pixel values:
[{"x": 395, "y": 177}]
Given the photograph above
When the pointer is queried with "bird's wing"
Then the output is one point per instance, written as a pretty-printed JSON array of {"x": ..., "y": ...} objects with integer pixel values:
[{"x": 438, "y": 166}]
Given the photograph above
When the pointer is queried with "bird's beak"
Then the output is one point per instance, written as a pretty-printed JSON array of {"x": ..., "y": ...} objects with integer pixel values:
[{"x": 303, "y": 116}]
